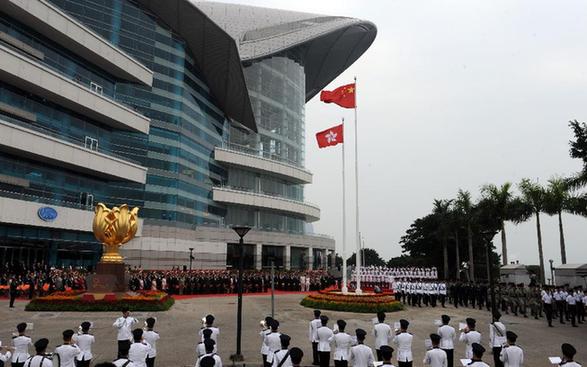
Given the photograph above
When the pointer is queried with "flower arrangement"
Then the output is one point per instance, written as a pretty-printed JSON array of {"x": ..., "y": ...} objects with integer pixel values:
[
  {"x": 87, "y": 302},
  {"x": 364, "y": 303}
]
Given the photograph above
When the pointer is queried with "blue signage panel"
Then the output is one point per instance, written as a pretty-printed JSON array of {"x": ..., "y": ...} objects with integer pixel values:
[{"x": 47, "y": 214}]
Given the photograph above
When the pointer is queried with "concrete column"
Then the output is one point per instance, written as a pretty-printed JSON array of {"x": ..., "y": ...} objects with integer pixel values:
[
  {"x": 287, "y": 257},
  {"x": 259, "y": 256},
  {"x": 310, "y": 258}
]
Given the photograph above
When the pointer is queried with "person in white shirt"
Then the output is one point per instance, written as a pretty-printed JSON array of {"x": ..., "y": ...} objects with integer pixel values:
[
  {"x": 386, "y": 354},
  {"x": 312, "y": 328},
  {"x": 477, "y": 350},
  {"x": 296, "y": 355},
  {"x": 497, "y": 333},
  {"x": 342, "y": 345},
  {"x": 447, "y": 336},
  {"x": 210, "y": 325},
  {"x": 201, "y": 348},
  {"x": 511, "y": 355},
  {"x": 209, "y": 344},
  {"x": 403, "y": 341},
  {"x": 469, "y": 336},
  {"x": 123, "y": 360},
  {"x": 21, "y": 345},
  {"x": 435, "y": 357},
  {"x": 282, "y": 357},
  {"x": 67, "y": 352},
  {"x": 207, "y": 361},
  {"x": 151, "y": 338},
  {"x": 324, "y": 334},
  {"x": 382, "y": 333},
  {"x": 40, "y": 359},
  {"x": 263, "y": 333},
  {"x": 5, "y": 357},
  {"x": 139, "y": 349},
  {"x": 572, "y": 307},
  {"x": 272, "y": 340},
  {"x": 547, "y": 300},
  {"x": 124, "y": 325},
  {"x": 361, "y": 355},
  {"x": 84, "y": 342},
  {"x": 568, "y": 352}
]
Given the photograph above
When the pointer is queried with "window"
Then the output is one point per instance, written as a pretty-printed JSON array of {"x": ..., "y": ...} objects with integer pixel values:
[
  {"x": 91, "y": 143},
  {"x": 96, "y": 88}
]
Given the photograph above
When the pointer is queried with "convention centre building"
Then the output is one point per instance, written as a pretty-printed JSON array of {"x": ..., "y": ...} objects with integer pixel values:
[{"x": 192, "y": 111}]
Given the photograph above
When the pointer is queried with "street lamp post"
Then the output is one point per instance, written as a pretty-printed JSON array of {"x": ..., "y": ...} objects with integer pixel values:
[
  {"x": 191, "y": 257},
  {"x": 272, "y": 287},
  {"x": 241, "y": 231},
  {"x": 552, "y": 272},
  {"x": 488, "y": 237}
]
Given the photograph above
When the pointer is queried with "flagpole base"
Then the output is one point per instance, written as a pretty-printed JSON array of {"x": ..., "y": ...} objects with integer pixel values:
[
  {"x": 358, "y": 291},
  {"x": 344, "y": 289}
]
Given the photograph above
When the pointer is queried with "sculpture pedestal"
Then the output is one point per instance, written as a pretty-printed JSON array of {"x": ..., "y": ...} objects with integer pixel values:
[{"x": 109, "y": 278}]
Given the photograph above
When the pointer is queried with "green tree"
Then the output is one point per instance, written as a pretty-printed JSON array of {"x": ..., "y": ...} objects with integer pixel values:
[
  {"x": 534, "y": 197},
  {"x": 368, "y": 256},
  {"x": 442, "y": 212},
  {"x": 557, "y": 200},
  {"x": 579, "y": 151},
  {"x": 466, "y": 208},
  {"x": 506, "y": 207}
]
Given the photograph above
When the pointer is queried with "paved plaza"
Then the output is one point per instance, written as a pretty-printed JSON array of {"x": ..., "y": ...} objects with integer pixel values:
[{"x": 179, "y": 328}]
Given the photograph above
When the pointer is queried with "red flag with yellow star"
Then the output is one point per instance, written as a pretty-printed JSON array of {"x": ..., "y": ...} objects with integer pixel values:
[{"x": 343, "y": 96}]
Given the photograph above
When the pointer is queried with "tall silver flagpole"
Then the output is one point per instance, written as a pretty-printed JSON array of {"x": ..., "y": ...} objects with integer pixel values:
[
  {"x": 358, "y": 234},
  {"x": 344, "y": 287}
]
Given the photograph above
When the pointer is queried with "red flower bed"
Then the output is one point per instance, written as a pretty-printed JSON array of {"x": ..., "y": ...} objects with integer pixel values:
[
  {"x": 79, "y": 301},
  {"x": 370, "y": 302}
]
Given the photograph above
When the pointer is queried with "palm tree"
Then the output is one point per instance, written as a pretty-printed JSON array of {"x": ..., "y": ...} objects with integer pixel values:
[
  {"x": 457, "y": 221},
  {"x": 466, "y": 207},
  {"x": 502, "y": 199},
  {"x": 558, "y": 200},
  {"x": 441, "y": 211},
  {"x": 534, "y": 197}
]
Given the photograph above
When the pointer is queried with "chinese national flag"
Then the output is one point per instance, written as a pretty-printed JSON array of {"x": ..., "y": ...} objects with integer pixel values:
[
  {"x": 330, "y": 137},
  {"x": 343, "y": 96}
]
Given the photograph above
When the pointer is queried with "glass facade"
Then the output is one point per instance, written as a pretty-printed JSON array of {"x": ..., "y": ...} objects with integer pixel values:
[{"x": 186, "y": 125}]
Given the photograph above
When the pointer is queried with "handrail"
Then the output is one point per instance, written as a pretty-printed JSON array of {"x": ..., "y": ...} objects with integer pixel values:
[
  {"x": 260, "y": 193},
  {"x": 262, "y": 154},
  {"x": 39, "y": 199}
]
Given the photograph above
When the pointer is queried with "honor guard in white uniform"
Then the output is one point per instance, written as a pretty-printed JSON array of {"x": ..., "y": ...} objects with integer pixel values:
[
  {"x": 272, "y": 340},
  {"x": 568, "y": 354},
  {"x": 386, "y": 354},
  {"x": 67, "y": 352},
  {"x": 209, "y": 344},
  {"x": 201, "y": 348},
  {"x": 342, "y": 345},
  {"x": 447, "y": 336},
  {"x": 84, "y": 341},
  {"x": 477, "y": 350},
  {"x": 382, "y": 334},
  {"x": 282, "y": 357},
  {"x": 296, "y": 355},
  {"x": 497, "y": 339},
  {"x": 4, "y": 357},
  {"x": 324, "y": 335},
  {"x": 469, "y": 336},
  {"x": 123, "y": 360},
  {"x": 435, "y": 357},
  {"x": 266, "y": 330},
  {"x": 511, "y": 355},
  {"x": 151, "y": 337},
  {"x": 21, "y": 345},
  {"x": 210, "y": 325},
  {"x": 40, "y": 359},
  {"x": 124, "y": 325},
  {"x": 139, "y": 349},
  {"x": 361, "y": 355},
  {"x": 313, "y": 336},
  {"x": 403, "y": 341}
]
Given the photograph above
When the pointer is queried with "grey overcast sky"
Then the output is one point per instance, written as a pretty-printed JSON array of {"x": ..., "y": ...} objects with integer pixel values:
[{"x": 453, "y": 94}]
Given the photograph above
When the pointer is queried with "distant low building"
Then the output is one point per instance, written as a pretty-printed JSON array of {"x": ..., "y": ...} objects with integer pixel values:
[
  {"x": 571, "y": 274},
  {"x": 514, "y": 273}
]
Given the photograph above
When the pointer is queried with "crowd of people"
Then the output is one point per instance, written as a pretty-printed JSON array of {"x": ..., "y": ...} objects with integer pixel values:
[
  {"x": 137, "y": 347},
  {"x": 564, "y": 303},
  {"x": 384, "y": 276},
  {"x": 225, "y": 281}
]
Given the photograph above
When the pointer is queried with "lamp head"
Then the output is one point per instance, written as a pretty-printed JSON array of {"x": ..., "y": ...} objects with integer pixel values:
[{"x": 241, "y": 231}]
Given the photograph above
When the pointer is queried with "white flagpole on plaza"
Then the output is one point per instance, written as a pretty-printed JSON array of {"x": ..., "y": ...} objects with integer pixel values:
[
  {"x": 344, "y": 287},
  {"x": 358, "y": 234}
]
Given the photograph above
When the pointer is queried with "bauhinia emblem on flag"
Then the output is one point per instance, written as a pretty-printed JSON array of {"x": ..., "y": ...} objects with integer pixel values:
[
  {"x": 343, "y": 96},
  {"x": 330, "y": 137}
]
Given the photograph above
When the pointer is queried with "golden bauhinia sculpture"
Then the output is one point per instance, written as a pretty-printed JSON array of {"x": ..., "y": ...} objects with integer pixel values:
[{"x": 114, "y": 227}]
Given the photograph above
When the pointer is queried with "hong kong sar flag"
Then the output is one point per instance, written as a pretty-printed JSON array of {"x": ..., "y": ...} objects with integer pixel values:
[{"x": 330, "y": 137}]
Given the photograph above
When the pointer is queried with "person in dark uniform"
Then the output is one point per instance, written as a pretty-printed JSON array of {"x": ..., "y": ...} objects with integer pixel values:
[{"x": 13, "y": 291}]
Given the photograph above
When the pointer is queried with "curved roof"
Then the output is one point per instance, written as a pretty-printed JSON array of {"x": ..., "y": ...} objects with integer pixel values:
[{"x": 328, "y": 45}]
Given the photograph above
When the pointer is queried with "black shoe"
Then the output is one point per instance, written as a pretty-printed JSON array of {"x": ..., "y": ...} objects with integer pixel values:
[
  {"x": 575, "y": 325},
  {"x": 550, "y": 325}
]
